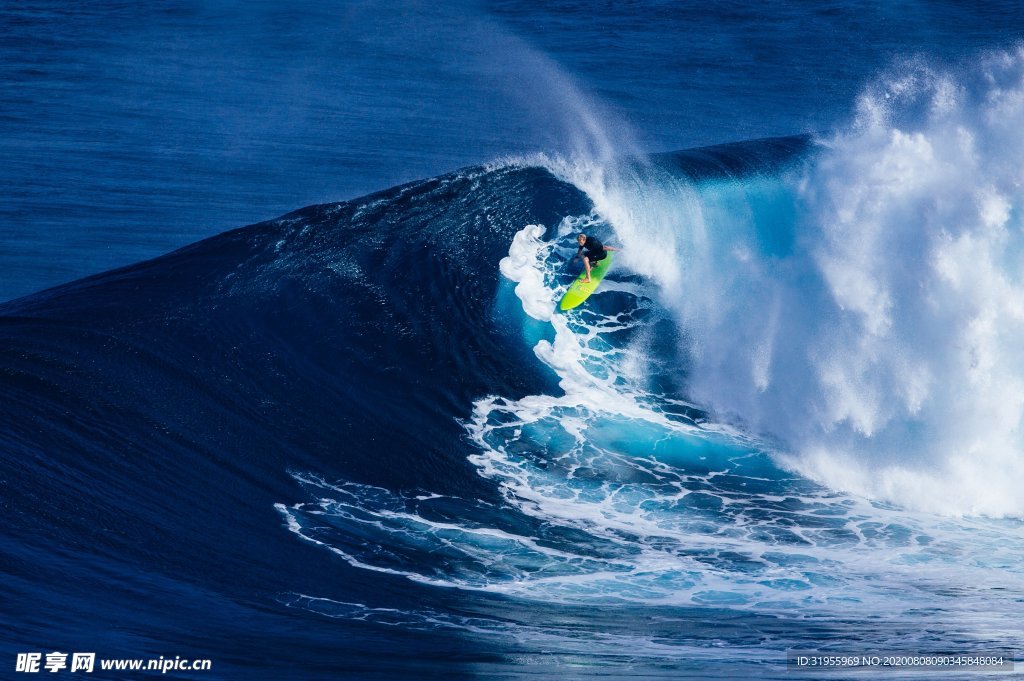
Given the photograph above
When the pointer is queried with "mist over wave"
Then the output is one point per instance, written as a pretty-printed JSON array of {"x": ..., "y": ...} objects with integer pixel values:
[
  {"x": 918, "y": 243},
  {"x": 862, "y": 309}
]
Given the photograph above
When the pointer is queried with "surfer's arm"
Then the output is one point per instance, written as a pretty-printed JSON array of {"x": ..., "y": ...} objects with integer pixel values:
[{"x": 609, "y": 248}]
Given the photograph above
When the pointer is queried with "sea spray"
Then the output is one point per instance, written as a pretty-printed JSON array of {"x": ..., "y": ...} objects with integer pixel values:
[
  {"x": 915, "y": 212},
  {"x": 868, "y": 320}
]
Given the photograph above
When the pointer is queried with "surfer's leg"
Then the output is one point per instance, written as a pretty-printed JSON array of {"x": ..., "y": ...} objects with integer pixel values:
[{"x": 586, "y": 266}]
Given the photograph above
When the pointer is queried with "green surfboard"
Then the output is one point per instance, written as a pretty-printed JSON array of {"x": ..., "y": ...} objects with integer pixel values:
[{"x": 579, "y": 291}]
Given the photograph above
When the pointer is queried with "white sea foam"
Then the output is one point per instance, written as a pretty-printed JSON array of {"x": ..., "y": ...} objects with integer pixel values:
[{"x": 521, "y": 267}]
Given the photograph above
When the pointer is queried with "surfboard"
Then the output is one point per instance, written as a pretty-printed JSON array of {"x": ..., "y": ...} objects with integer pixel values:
[{"x": 579, "y": 291}]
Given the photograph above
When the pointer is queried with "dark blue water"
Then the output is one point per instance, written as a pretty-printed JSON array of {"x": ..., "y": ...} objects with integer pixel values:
[
  {"x": 354, "y": 441},
  {"x": 129, "y": 129}
]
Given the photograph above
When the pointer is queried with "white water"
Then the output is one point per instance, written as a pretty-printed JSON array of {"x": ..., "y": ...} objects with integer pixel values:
[
  {"x": 695, "y": 513},
  {"x": 877, "y": 336}
]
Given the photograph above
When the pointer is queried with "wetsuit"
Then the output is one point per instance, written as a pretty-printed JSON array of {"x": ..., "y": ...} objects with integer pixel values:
[{"x": 595, "y": 250}]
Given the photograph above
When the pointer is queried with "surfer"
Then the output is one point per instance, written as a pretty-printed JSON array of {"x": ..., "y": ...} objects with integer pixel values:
[{"x": 596, "y": 251}]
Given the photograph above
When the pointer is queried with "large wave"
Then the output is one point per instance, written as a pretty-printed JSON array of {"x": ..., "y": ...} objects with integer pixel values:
[{"x": 620, "y": 486}]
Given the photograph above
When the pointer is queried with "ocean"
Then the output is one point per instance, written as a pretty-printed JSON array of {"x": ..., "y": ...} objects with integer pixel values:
[{"x": 354, "y": 439}]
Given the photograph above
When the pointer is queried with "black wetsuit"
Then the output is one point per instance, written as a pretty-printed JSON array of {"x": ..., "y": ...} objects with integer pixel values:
[{"x": 595, "y": 250}]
